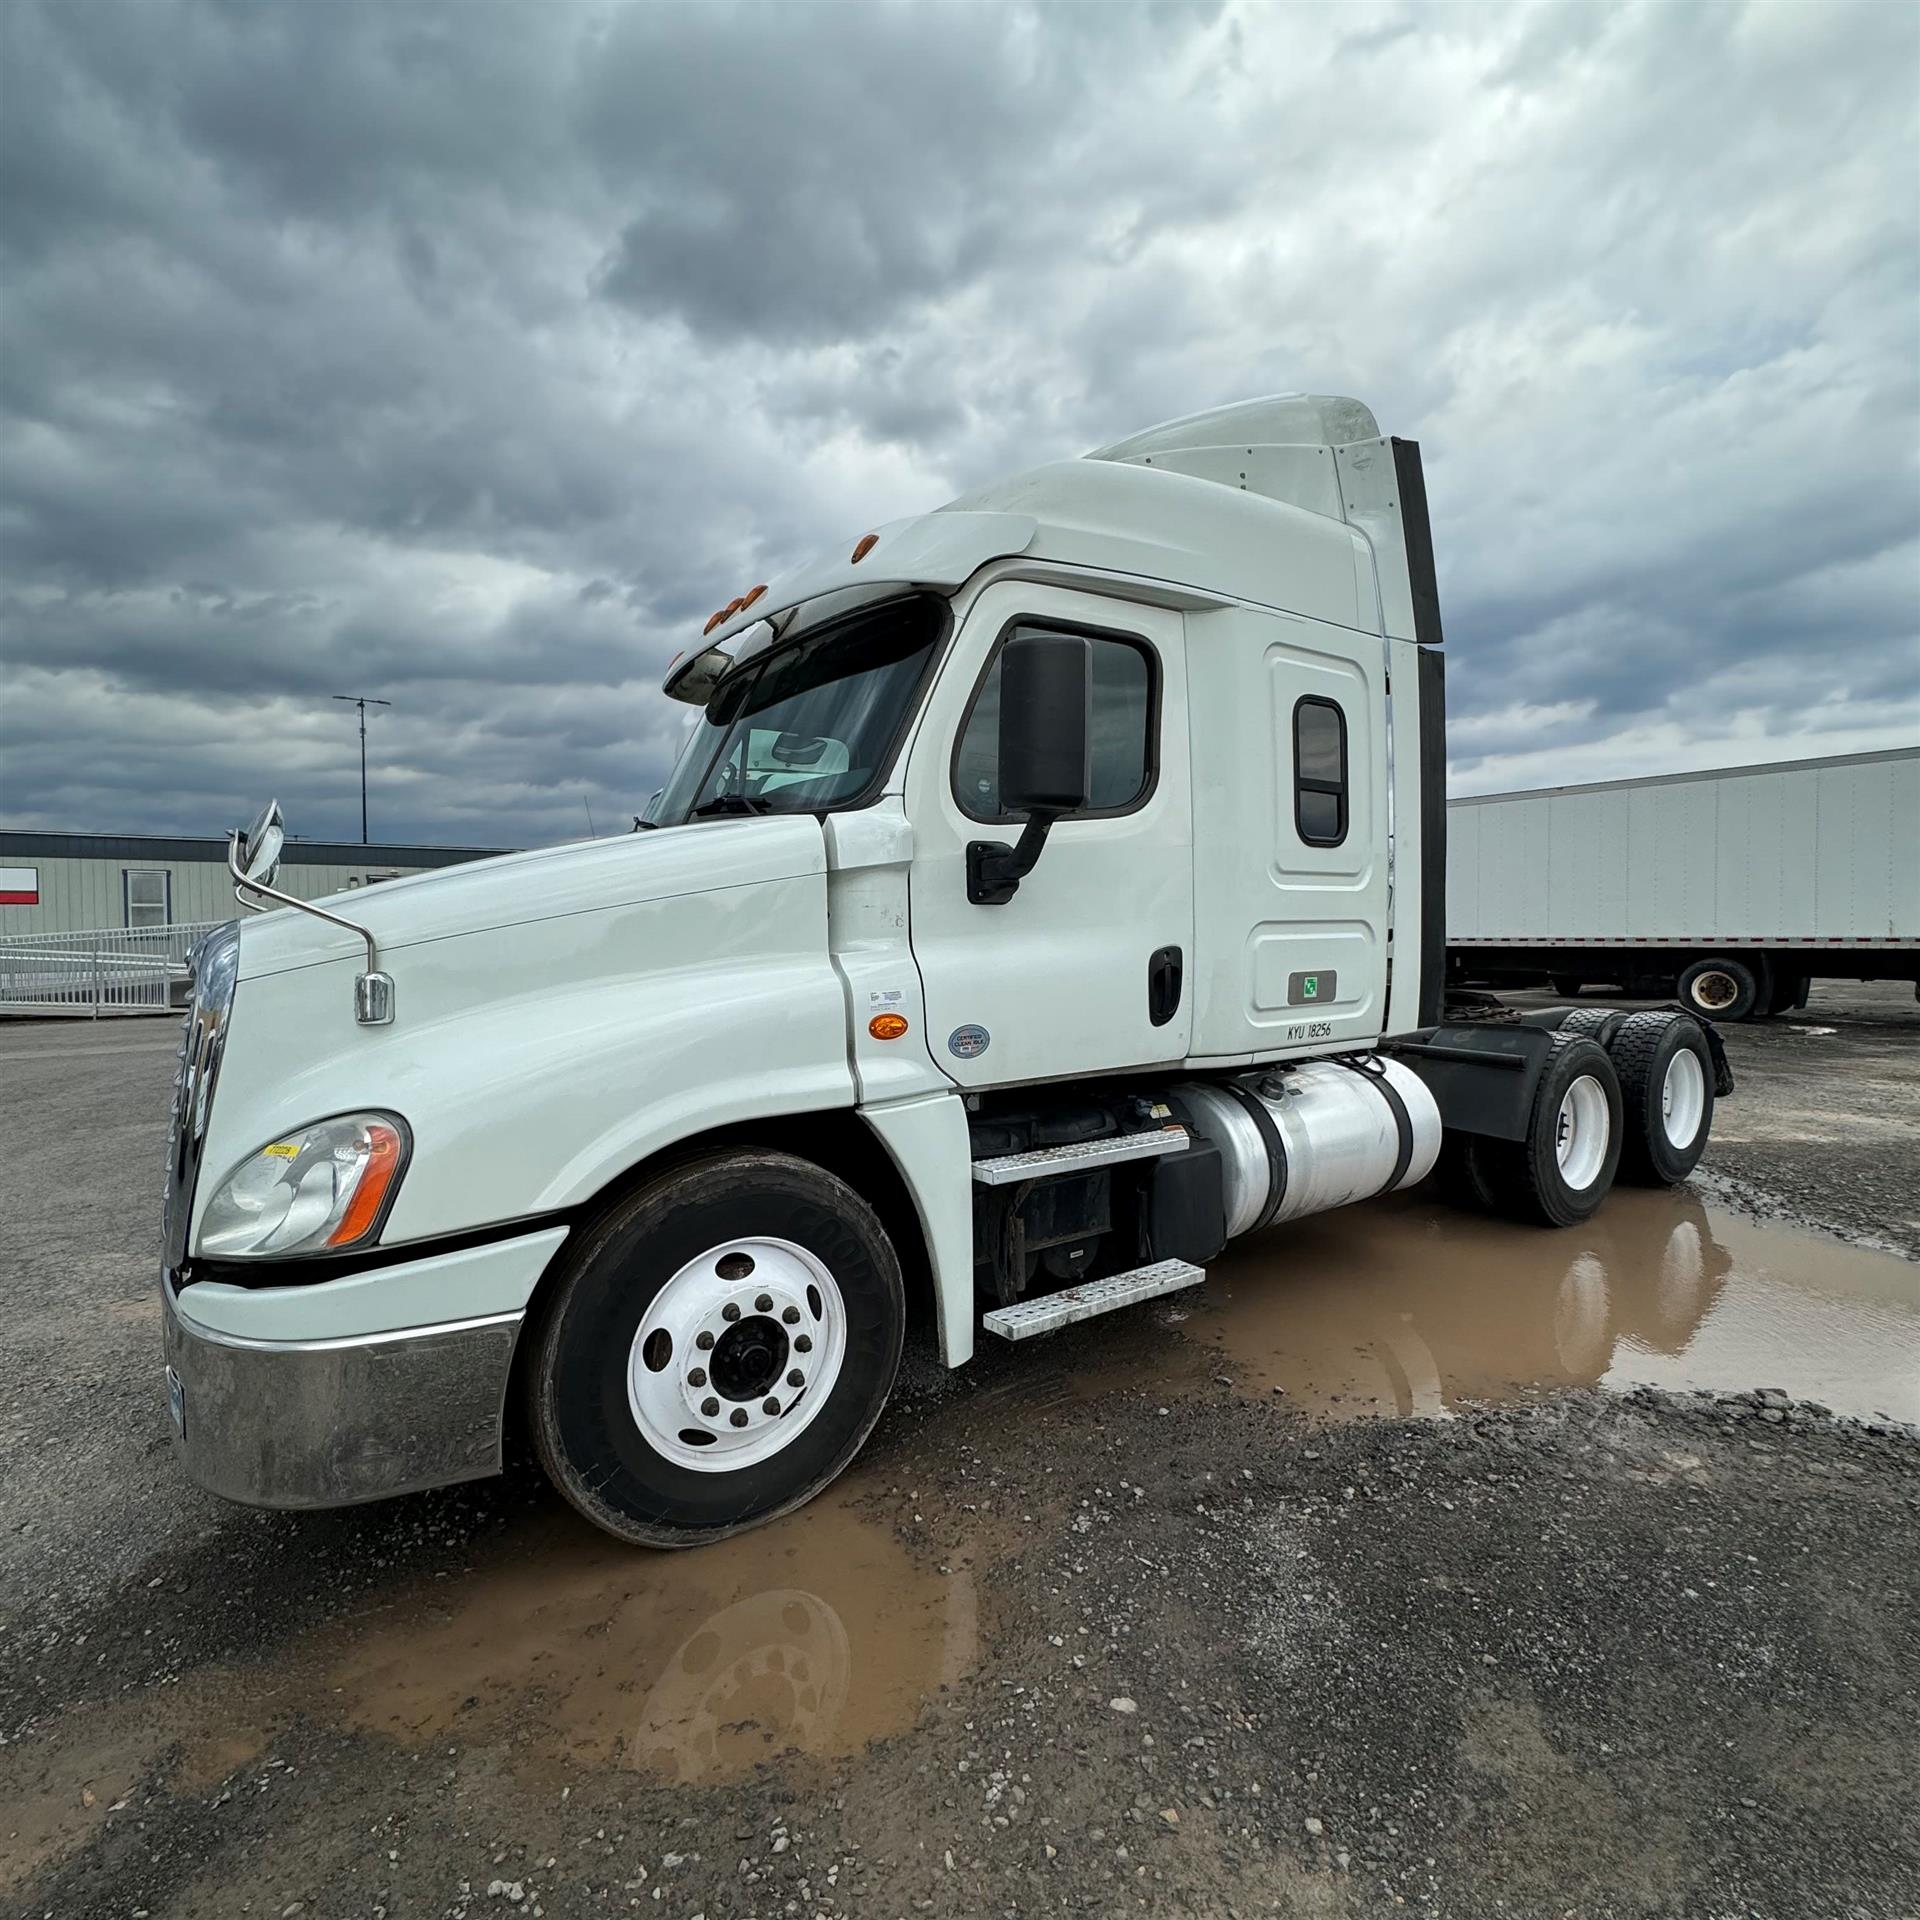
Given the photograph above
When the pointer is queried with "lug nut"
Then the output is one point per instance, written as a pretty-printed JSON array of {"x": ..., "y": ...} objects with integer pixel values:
[
  {"x": 803, "y": 1344},
  {"x": 791, "y": 1315},
  {"x": 738, "y": 1416},
  {"x": 764, "y": 1304},
  {"x": 705, "y": 1343},
  {"x": 730, "y": 1311},
  {"x": 796, "y": 1378},
  {"x": 697, "y": 1378},
  {"x": 709, "y": 1406},
  {"x": 769, "y": 1406}
]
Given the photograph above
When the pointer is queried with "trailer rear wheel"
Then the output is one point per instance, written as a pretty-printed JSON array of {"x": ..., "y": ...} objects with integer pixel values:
[
  {"x": 1789, "y": 992},
  {"x": 1719, "y": 988},
  {"x": 1561, "y": 1171},
  {"x": 721, "y": 1343},
  {"x": 1666, "y": 1090}
]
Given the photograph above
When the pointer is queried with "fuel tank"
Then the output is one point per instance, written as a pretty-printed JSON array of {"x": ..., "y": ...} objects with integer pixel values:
[{"x": 1299, "y": 1140}]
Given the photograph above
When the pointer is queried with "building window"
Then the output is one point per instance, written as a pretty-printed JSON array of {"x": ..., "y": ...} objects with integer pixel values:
[
  {"x": 1320, "y": 772},
  {"x": 148, "y": 893},
  {"x": 1121, "y": 757}
]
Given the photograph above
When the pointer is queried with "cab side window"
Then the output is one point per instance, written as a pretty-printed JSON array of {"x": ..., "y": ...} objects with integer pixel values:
[
  {"x": 1320, "y": 772},
  {"x": 1125, "y": 716}
]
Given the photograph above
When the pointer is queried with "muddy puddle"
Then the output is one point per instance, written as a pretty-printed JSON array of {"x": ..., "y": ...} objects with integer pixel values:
[
  {"x": 815, "y": 1636},
  {"x": 811, "y": 1638},
  {"x": 1411, "y": 1308}
]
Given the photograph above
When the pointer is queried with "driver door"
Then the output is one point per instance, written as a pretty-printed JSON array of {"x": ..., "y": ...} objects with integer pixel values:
[{"x": 1087, "y": 969}]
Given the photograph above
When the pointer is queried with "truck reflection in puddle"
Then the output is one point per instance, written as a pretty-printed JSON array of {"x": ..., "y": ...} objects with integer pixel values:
[
  {"x": 810, "y": 1638},
  {"x": 1411, "y": 1308},
  {"x": 813, "y": 1636}
]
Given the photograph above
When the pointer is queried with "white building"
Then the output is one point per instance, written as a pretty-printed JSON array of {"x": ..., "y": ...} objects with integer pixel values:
[{"x": 74, "y": 882}]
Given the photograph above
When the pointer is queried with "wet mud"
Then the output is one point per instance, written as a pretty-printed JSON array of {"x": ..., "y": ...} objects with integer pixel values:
[
  {"x": 1084, "y": 1631},
  {"x": 803, "y": 1641},
  {"x": 812, "y": 1637},
  {"x": 1413, "y": 1308}
]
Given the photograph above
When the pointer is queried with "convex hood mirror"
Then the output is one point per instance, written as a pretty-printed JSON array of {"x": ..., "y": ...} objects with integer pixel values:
[{"x": 261, "y": 845}]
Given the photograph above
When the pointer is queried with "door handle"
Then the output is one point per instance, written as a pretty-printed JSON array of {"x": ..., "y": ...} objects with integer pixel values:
[{"x": 1164, "y": 972}]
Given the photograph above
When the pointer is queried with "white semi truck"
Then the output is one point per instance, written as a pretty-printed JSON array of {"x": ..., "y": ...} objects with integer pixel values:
[
  {"x": 1731, "y": 890},
  {"x": 1050, "y": 890}
]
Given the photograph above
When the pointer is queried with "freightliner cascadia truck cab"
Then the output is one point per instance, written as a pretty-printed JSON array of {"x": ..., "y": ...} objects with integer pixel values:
[{"x": 1048, "y": 892}]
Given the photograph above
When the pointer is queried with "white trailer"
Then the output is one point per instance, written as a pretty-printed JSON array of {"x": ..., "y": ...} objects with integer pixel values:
[
  {"x": 1048, "y": 892},
  {"x": 1731, "y": 890}
]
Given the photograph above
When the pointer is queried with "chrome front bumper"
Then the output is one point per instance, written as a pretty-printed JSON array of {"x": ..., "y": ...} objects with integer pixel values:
[{"x": 328, "y": 1423}]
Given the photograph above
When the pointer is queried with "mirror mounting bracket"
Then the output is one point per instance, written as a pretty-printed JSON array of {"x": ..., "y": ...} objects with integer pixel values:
[
  {"x": 372, "y": 990},
  {"x": 995, "y": 870}
]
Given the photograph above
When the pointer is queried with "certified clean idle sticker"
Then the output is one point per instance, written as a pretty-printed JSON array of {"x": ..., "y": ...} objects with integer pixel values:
[{"x": 968, "y": 1042}]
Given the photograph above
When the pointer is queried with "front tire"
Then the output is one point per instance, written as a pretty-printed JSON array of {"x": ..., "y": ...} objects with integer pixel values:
[{"x": 720, "y": 1344}]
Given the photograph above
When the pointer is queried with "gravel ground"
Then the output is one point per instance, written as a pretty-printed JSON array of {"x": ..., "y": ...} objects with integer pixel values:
[{"x": 1090, "y": 1629}]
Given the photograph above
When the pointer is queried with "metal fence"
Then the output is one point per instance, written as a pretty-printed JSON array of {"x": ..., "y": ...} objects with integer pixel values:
[{"x": 110, "y": 970}]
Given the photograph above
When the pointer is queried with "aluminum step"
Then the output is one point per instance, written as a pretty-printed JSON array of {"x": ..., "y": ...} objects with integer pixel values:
[
  {"x": 1079, "y": 1156},
  {"x": 1090, "y": 1298}
]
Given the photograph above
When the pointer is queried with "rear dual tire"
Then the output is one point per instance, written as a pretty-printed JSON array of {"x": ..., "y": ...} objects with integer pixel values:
[
  {"x": 1560, "y": 1171},
  {"x": 1666, "y": 1087},
  {"x": 719, "y": 1346}
]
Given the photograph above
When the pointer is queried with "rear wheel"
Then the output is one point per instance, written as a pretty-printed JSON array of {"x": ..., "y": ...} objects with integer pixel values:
[
  {"x": 1560, "y": 1172},
  {"x": 1719, "y": 988},
  {"x": 1789, "y": 992},
  {"x": 721, "y": 1343},
  {"x": 1461, "y": 1172},
  {"x": 1666, "y": 1092}
]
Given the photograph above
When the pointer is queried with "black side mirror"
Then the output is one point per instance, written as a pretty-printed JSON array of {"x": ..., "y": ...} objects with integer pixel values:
[
  {"x": 1046, "y": 721},
  {"x": 1046, "y": 733}
]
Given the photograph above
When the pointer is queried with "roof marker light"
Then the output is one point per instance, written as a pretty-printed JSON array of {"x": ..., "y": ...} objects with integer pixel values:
[{"x": 864, "y": 546}]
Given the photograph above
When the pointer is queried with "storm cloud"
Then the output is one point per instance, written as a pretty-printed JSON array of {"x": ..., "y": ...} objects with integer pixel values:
[{"x": 467, "y": 355}]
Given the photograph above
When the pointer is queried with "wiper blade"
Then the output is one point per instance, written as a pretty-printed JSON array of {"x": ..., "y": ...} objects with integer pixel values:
[{"x": 729, "y": 803}]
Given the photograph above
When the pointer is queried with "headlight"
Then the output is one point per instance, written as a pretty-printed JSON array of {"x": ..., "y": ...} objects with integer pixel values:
[{"x": 320, "y": 1190}]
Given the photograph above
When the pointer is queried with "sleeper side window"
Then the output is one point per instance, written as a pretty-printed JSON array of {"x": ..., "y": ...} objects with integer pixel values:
[
  {"x": 1126, "y": 712},
  {"x": 1320, "y": 772}
]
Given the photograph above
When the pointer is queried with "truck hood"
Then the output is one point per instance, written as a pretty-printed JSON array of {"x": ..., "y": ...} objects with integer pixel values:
[{"x": 517, "y": 888}]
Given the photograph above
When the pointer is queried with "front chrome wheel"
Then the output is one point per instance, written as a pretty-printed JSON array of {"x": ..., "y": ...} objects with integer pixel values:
[
  {"x": 736, "y": 1354},
  {"x": 717, "y": 1345}
]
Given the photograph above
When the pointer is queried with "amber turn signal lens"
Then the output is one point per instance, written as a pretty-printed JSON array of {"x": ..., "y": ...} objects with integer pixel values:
[
  {"x": 864, "y": 546},
  {"x": 383, "y": 1162},
  {"x": 887, "y": 1026}
]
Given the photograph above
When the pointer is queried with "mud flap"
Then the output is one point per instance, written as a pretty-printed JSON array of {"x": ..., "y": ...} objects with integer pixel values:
[{"x": 1482, "y": 1075}]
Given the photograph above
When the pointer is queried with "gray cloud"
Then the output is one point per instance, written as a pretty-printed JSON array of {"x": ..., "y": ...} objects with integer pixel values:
[{"x": 470, "y": 354}]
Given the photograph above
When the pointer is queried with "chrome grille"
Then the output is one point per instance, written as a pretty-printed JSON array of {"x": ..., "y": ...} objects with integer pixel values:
[{"x": 215, "y": 965}]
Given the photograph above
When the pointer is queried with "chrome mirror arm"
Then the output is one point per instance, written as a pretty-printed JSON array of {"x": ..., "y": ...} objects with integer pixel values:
[
  {"x": 240, "y": 880},
  {"x": 373, "y": 990}
]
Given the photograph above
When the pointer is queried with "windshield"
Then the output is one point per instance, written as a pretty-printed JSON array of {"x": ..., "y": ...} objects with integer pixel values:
[{"x": 809, "y": 725}]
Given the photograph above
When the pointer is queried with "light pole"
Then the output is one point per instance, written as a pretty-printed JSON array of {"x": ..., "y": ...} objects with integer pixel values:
[{"x": 363, "y": 701}]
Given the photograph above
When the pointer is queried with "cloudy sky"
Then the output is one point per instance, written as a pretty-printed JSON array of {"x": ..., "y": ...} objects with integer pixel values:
[{"x": 469, "y": 354}]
